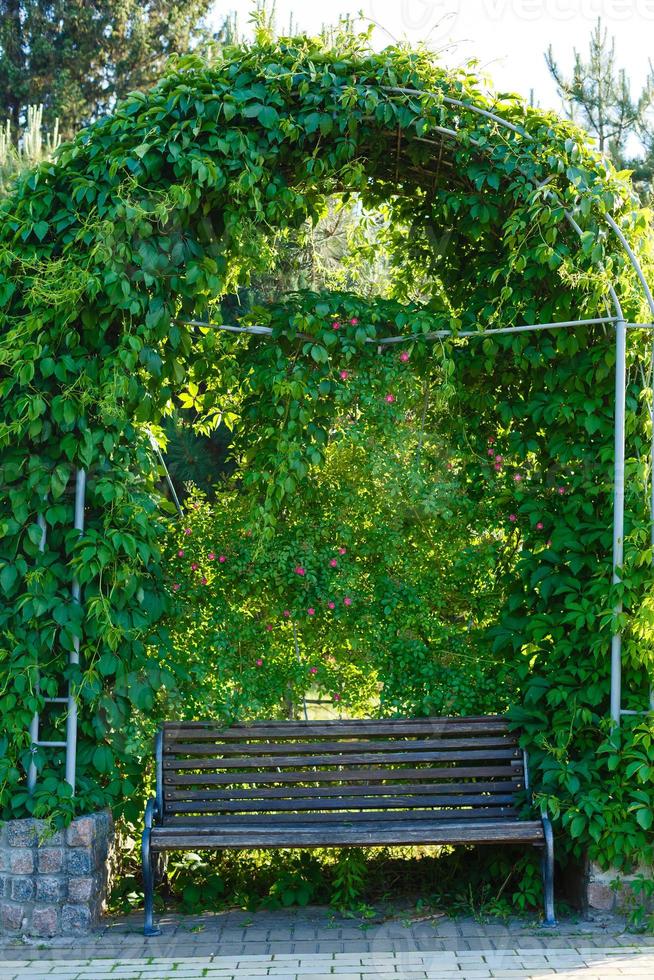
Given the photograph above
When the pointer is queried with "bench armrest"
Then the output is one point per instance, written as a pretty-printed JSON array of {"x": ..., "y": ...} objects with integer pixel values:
[{"x": 151, "y": 813}]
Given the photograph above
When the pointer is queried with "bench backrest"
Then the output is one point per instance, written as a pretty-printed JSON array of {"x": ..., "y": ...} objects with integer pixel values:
[{"x": 453, "y": 768}]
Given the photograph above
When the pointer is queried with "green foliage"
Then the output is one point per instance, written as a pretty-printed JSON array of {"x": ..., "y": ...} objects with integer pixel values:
[
  {"x": 349, "y": 878},
  {"x": 78, "y": 59},
  {"x": 457, "y": 881},
  {"x": 376, "y": 580},
  {"x": 300, "y": 880},
  {"x": 144, "y": 222}
]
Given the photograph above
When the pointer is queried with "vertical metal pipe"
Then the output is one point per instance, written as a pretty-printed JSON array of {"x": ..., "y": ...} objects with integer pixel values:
[
  {"x": 618, "y": 508},
  {"x": 171, "y": 485},
  {"x": 34, "y": 723},
  {"x": 651, "y": 489},
  {"x": 71, "y": 718},
  {"x": 162, "y": 462}
]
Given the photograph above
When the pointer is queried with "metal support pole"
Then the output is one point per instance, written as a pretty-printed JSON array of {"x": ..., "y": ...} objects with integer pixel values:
[
  {"x": 73, "y": 660},
  {"x": 34, "y": 723},
  {"x": 162, "y": 463},
  {"x": 651, "y": 499},
  {"x": 618, "y": 509}
]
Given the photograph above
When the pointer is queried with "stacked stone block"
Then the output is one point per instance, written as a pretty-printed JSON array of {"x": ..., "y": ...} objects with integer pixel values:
[
  {"x": 54, "y": 883},
  {"x": 610, "y": 890}
]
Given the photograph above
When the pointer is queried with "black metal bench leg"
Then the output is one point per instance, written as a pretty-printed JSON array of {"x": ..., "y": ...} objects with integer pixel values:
[
  {"x": 149, "y": 928},
  {"x": 548, "y": 874}
]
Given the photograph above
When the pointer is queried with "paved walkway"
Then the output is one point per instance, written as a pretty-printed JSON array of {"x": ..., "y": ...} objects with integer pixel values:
[
  {"x": 315, "y": 944},
  {"x": 568, "y": 963}
]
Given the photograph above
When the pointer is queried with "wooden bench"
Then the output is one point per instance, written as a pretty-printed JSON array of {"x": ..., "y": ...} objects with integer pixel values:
[{"x": 339, "y": 784}]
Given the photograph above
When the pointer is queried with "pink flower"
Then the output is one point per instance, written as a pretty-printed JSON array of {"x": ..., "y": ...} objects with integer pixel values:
[
  {"x": 389, "y": 398},
  {"x": 180, "y": 553},
  {"x": 539, "y": 526},
  {"x": 299, "y": 570},
  {"x": 311, "y": 611},
  {"x": 336, "y": 325},
  {"x": 287, "y": 613},
  {"x": 313, "y": 670},
  {"x": 222, "y": 559},
  {"x": 337, "y": 697},
  {"x": 331, "y": 604},
  {"x": 187, "y": 530},
  {"x": 491, "y": 440},
  {"x": 404, "y": 356},
  {"x": 175, "y": 586},
  {"x": 259, "y": 662},
  {"x": 268, "y": 627},
  {"x": 517, "y": 477},
  {"x": 204, "y": 580},
  {"x": 344, "y": 375},
  {"x": 491, "y": 452},
  {"x": 449, "y": 466},
  {"x": 354, "y": 321},
  {"x": 211, "y": 556},
  {"x": 194, "y": 566},
  {"x": 341, "y": 551},
  {"x": 347, "y": 600},
  {"x": 560, "y": 490},
  {"x": 499, "y": 459},
  {"x": 333, "y": 562},
  {"x": 513, "y": 518},
  {"x": 498, "y": 467}
]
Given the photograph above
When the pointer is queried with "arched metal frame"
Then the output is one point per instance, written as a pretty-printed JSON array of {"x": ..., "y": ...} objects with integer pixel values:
[{"x": 621, "y": 328}]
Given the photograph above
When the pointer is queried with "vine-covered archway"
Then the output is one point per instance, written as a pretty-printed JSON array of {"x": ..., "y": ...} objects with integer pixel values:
[{"x": 113, "y": 262}]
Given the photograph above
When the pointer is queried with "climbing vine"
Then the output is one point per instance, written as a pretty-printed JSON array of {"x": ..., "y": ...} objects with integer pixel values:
[{"x": 110, "y": 256}]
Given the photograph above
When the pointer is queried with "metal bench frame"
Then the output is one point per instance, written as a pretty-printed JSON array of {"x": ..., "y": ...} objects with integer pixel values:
[{"x": 385, "y": 812}]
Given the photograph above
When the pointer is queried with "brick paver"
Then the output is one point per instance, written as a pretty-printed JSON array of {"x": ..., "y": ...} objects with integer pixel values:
[
  {"x": 568, "y": 964},
  {"x": 316, "y": 943}
]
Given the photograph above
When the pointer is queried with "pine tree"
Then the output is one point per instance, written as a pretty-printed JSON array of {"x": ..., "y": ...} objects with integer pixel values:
[
  {"x": 77, "y": 57},
  {"x": 598, "y": 96}
]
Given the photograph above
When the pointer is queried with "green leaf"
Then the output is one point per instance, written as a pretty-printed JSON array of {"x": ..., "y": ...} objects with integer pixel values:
[
  {"x": 41, "y": 229},
  {"x": 8, "y": 576},
  {"x": 268, "y": 116}
]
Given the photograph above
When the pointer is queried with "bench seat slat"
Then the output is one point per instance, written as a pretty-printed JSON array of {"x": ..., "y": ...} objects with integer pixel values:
[
  {"x": 338, "y": 775},
  {"x": 326, "y": 835},
  {"x": 216, "y": 747},
  {"x": 347, "y": 803},
  {"x": 390, "y": 790},
  {"x": 250, "y": 821},
  {"x": 361, "y": 759},
  {"x": 301, "y": 730}
]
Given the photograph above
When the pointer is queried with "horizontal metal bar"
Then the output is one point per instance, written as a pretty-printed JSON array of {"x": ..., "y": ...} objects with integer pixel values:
[
  {"x": 434, "y": 335},
  {"x": 629, "y": 711},
  {"x": 438, "y": 334},
  {"x": 56, "y": 700},
  {"x": 640, "y": 326},
  {"x": 50, "y": 745}
]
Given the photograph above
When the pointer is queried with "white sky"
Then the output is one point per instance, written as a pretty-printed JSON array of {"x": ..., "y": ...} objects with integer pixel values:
[{"x": 508, "y": 37}]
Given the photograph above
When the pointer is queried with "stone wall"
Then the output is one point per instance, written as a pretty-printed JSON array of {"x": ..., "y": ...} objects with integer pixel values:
[
  {"x": 54, "y": 883},
  {"x": 611, "y": 891}
]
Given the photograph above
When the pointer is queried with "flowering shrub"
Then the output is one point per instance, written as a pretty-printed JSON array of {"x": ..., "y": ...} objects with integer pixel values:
[{"x": 350, "y": 598}]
